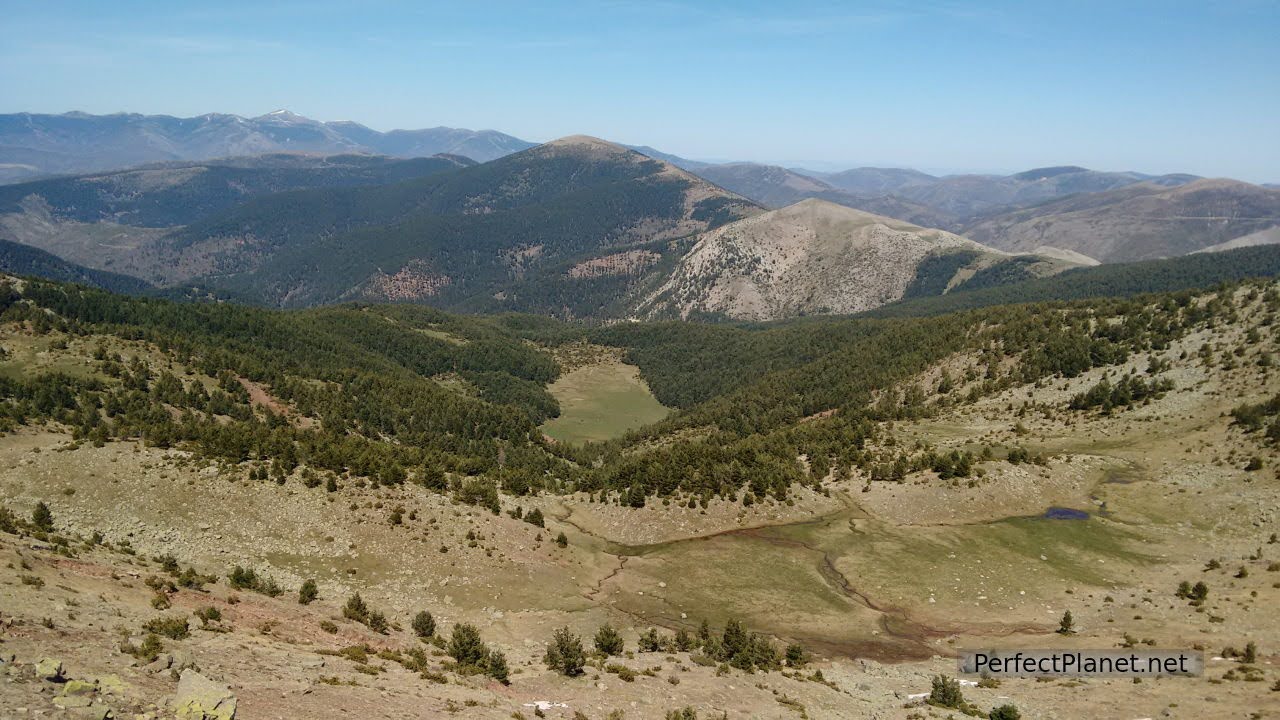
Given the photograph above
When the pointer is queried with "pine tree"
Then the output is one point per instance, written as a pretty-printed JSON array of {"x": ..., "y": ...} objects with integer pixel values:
[
  {"x": 495, "y": 666},
  {"x": 42, "y": 517},
  {"x": 424, "y": 625},
  {"x": 308, "y": 593},
  {"x": 355, "y": 609},
  {"x": 1067, "y": 625},
  {"x": 465, "y": 646},
  {"x": 534, "y": 517},
  {"x": 608, "y": 641},
  {"x": 796, "y": 655},
  {"x": 564, "y": 653}
]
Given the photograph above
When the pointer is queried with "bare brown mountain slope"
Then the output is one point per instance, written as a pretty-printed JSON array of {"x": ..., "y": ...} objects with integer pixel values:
[
  {"x": 807, "y": 258},
  {"x": 1138, "y": 222}
]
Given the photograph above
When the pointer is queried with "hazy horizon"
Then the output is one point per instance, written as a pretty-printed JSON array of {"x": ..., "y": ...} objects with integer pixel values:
[{"x": 987, "y": 87}]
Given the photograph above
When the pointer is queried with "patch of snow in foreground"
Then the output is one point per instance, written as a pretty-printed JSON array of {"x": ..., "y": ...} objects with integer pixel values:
[{"x": 546, "y": 704}]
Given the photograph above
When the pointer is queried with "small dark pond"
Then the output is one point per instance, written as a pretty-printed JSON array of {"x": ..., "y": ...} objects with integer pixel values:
[{"x": 1062, "y": 513}]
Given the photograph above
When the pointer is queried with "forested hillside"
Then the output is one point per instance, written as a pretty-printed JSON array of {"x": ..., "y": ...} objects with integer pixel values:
[
  {"x": 407, "y": 392},
  {"x": 1115, "y": 280},
  {"x": 19, "y": 259},
  {"x": 460, "y": 237},
  {"x": 182, "y": 193}
]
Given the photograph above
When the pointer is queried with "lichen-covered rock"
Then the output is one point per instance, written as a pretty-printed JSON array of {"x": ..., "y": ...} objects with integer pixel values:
[
  {"x": 78, "y": 687},
  {"x": 199, "y": 698},
  {"x": 73, "y": 701},
  {"x": 49, "y": 669}
]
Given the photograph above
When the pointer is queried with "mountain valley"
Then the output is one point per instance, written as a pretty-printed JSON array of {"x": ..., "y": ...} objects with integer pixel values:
[{"x": 302, "y": 419}]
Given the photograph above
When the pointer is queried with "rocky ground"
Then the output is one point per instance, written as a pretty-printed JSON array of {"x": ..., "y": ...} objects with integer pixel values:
[{"x": 898, "y": 577}]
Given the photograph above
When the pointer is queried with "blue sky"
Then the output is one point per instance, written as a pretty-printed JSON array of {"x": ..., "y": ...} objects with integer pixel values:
[{"x": 943, "y": 86}]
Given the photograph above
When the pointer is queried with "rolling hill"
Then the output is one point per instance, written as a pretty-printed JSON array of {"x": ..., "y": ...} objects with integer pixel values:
[
  {"x": 179, "y": 193},
  {"x": 775, "y": 187},
  {"x": 816, "y": 257},
  {"x": 1137, "y": 222}
]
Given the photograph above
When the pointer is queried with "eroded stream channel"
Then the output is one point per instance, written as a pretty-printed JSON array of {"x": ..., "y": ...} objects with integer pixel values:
[{"x": 807, "y": 580}]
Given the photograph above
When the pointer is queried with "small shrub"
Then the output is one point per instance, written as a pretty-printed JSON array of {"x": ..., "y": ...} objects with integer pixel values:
[
  {"x": 1004, "y": 712},
  {"x": 946, "y": 693},
  {"x": 308, "y": 593},
  {"x": 174, "y": 628},
  {"x": 208, "y": 615}
]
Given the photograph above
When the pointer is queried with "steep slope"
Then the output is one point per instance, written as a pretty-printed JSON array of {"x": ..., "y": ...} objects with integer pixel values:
[
  {"x": 811, "y": 257},
  {"x": 18, "y": 259},
  {"x": 1137, "y": 222},
  {"x": 459, "y": 237},
  {"x": 33, "y": 144}
]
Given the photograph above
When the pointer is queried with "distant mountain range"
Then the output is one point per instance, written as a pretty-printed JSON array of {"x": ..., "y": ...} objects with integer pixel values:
[
  {"x": 559, "y": 228},
  {"x": 950, "y": 202},
  {"x": 1141, "y": 221},
  {"x": 577, "y": 228},
  {"x": 1062, "y": 211},
  {"x": 33, "y": 145}
]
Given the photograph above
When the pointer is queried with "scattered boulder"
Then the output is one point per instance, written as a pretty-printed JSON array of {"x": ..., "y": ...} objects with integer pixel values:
[
  {"x": 73, "y": 701},
  {"x": 177, "y": 660},
  {"x": 199, "y": 698},
  {"x": 162, "y": 662},
  {"x": 49, "y": 669},
  {"x": 78, "y": 687}
]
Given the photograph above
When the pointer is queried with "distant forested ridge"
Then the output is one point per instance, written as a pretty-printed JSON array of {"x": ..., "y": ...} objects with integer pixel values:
[
  {"x": 19, "y": 259},
  {"x": 1116, "y": 280}
]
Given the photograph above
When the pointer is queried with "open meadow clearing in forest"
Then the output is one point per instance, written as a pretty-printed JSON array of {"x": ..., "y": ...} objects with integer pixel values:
[{"x": 601, "y": 401}]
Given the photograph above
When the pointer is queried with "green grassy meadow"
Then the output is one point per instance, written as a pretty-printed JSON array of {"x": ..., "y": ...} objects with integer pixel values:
[{"x": 601, "y": 401}]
